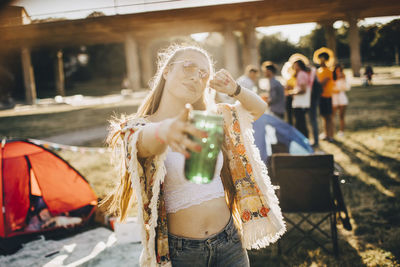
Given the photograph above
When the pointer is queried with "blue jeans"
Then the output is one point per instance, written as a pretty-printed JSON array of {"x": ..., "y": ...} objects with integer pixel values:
[{"x": 220, "y": 250}]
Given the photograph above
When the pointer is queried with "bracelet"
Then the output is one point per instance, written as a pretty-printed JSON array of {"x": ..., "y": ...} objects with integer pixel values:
[
  {"x": 157, "y": 136},
  {"x": 238, "y": 89}
]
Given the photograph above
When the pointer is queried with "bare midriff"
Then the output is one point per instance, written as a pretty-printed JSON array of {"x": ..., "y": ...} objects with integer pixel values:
[{"x": 200, "y": 221}]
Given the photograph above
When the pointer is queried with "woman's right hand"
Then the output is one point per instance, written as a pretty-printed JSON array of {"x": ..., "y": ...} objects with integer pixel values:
[{"x": 175, "y": 133}]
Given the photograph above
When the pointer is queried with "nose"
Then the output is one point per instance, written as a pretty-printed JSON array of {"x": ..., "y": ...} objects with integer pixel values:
[
  {"x": 195, "y": 75},
  {"x": 195, "y": 81}
]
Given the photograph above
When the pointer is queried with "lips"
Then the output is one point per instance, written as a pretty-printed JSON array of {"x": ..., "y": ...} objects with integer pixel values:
[{"x": 191, "y": 87}]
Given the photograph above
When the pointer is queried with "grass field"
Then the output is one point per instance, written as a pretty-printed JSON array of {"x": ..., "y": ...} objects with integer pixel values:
[{"x": 369, "y": 155}]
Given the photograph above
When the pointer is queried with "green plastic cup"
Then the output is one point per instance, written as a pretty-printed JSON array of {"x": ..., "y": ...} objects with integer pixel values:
[{"x": 200, "y": 166}]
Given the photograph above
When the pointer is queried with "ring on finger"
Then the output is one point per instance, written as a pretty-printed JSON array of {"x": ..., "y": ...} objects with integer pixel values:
[{"x": 182, "y": 146}]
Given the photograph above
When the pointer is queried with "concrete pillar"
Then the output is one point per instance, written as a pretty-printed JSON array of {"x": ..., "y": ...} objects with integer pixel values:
[
  {"x": 132, "y": 63},
  {"x": 146, "y": 62},
  {"x": 330, "y": 35},
  {"x": 354, "y": 42},
  {"x": 231, "y": 53},
  {"x": 59, "y": 71},
  {"x": 250, "y": 46},
  {"x": 29, "y": 78}
]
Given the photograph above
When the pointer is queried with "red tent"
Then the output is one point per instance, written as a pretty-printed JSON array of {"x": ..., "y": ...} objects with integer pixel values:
[{"x": 27, "y": 170}]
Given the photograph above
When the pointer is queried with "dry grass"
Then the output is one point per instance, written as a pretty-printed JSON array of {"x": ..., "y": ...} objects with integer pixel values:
[
  {"x": 371, "y": 168},
  {"x": 98, "y": 171},
  {"x": 370, "y": 157},
  {"x": 95, "y": 167},
  {"x": 382, "y": 110},
  {"x": 371, "y": 163}
]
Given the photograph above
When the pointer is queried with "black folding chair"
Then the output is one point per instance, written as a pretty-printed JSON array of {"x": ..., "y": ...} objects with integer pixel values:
[{"x": 306, "y": 189}]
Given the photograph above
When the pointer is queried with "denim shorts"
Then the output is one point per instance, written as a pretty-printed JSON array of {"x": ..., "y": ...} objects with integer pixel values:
[
  {"x": 325, "y": 105},
  {"x": 219, "y": 250}
]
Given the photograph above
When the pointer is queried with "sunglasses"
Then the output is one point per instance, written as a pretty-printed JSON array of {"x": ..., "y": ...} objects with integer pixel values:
[{"x": 191, "y": 69}]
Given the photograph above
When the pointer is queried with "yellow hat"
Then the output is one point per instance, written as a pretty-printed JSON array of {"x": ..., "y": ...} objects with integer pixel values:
[
  {"x": 321, "y": 50},
  {"x": 297, "y": 56},
  {"x": 287, "y": 71}
]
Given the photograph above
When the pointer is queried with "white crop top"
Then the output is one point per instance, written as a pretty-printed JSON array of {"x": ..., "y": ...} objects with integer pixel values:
[{"x": 180, "y": 193}]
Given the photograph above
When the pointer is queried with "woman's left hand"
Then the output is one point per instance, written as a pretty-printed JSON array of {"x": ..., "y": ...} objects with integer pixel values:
[{"x": 223, "y": 82}]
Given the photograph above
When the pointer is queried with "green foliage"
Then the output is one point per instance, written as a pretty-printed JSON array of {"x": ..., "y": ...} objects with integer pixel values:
[
  {"x": 313, "y": 41},
  {"x": 342, "y": 45},
  {"x": 369, "y": 51},
  {"x": 276, "y": 49},
  {"x": 379, "y": 44},
  {"x": 387, "y": 41}
]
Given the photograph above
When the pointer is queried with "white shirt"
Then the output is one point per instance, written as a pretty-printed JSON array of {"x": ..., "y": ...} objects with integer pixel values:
[
  {"x": 181, "y": 193},
  {"x": 307, "y": 79}
]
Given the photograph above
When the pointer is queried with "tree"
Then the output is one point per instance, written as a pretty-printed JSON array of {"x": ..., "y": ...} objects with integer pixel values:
[
  {"x": 379, "y": 44},
  {"x": 311, "y": 42},
  {"x": 276, "y": 49},
  {"x": 369, "y": 52},
  {"x": 387, "y": 39},
  {"x": 342, "y": 45}
]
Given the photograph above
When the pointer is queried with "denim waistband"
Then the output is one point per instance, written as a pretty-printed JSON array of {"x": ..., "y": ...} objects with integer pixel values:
[{"x": 179, "y": 241}]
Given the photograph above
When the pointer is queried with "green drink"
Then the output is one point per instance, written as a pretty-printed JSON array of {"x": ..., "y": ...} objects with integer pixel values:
[{"x": 200, "y": 166}]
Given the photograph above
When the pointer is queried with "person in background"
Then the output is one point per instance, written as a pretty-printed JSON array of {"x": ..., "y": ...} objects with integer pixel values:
[
  {"x": 302, "y": 94},
  {"x": 40, "y": 217},
  {"x": 288, "y": 75},
  {"x": 324, "y": 58},
  {"x": 368, "y": 75},
  {"x": 249, "y": 78},
  {"x": 183, "y": 223},
  {"x": 339, "y": 98},
  {"x": 276, "y": 96}
]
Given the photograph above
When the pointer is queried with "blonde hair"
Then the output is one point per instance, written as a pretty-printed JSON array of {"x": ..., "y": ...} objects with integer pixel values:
[
  {"x": 118, "y": 201},
  {"x": 156, "y": 84}
]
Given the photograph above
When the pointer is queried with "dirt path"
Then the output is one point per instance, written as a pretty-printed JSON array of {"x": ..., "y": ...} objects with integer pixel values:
[{"x": 78, "y": 138}]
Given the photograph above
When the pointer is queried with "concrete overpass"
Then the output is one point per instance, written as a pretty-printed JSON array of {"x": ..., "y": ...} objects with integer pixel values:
[{"x": 137, "y": 31}]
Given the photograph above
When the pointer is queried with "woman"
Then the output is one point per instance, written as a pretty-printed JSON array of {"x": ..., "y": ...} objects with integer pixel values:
[
  {"x": 290, "y": 81},
  {"x": 183, "y": 223},
  {"x": 302, "y": 94},
  {"x": 339, "y": 98}
]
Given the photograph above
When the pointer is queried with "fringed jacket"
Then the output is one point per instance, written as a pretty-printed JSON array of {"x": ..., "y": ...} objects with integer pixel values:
[{"x": 260, "y": 222}]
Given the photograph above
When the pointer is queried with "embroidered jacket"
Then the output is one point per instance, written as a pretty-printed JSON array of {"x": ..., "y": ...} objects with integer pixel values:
[{"x": 260, "y": 215}]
